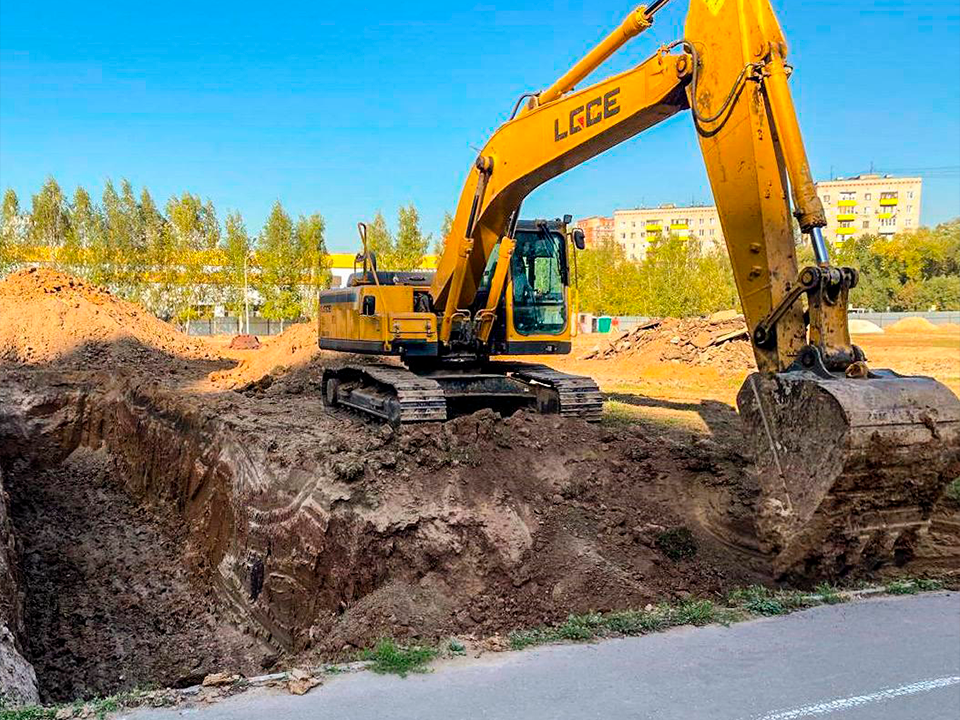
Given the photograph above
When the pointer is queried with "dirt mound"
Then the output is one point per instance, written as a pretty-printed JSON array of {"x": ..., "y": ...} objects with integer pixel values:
[
  {"x": 912, "y": 325},
  {"x": 295, "y": 347},
  {"x": 47, "y": 316},
  {"x": 948, "y": 327},
  {"x": 863, "y": 327},
  {"x": 245, "y": 342},
  {"x": 720, "y": 340}
]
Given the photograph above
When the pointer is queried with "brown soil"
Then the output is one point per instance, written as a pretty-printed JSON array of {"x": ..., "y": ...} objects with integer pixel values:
[
  {"x": 47, "y": 316},
  {"x": 320, "y": 531},
  {"x": 719, "y": 341},
  {"x": 911, "y": 325},
  {"x": 107, "y": 581}
]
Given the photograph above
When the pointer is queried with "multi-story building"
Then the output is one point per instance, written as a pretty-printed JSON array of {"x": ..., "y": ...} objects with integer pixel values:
[
  {"x": 596, "y": 230},
  {"x": 635, "y": 229},
  {"x": 874, "y": 204}
]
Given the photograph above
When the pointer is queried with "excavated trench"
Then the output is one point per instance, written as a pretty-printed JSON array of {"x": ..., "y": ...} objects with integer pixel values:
[{"x": 157, "y": 542}]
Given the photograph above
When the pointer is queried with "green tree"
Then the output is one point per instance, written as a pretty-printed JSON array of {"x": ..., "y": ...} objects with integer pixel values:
[
  {"x": 380, "y": 241},
  {"x": 280, "y": 278},
  {"x": 49, "y": 218},
  {"x": 194, "y": 234},
  {"x": 84, "y": 232},
  {"x": 12, "y": 230},
  {"x": 313, "y": 260},
  {"x": 411, "y": 245},
  {"x": 237, "y": 248},
  {"x": 445, "y": 228}
]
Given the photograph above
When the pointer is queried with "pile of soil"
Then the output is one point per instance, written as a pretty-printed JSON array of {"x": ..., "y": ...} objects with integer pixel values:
[
  {"x": 720, "y": 340},
  {"x": 48, "y": 316},
  {"x": 912, "y": 325}
]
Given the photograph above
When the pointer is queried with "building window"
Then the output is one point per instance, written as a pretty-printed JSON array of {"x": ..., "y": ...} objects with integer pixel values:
[
  {"x": 866, "y": 224},
  {"x": 908, "y": 222},
  {"x": 909, "y": 208},
  {"x": 888, "y": 222},
  {"x": 848, "y": 195},
  {"x": 711, "y": 232},
  {"x": 866, "y": 209},
  {"x": 632, "y": 235},
  {"x": 910, "y": 195},
  {"x": 826, "y": 199},
  {"x": 623, "y": 236},
  {"x": 701, "y": 233},
  {"x": 632, "y": 224},
  {"x": 701, "y": 222},
  {"x": 867, "y": 196},
  {"x": 892, "y": 195},
  {"x": 711, "y": 222}
]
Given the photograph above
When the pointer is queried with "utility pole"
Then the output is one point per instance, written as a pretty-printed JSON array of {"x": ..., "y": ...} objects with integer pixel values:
[{"x": 246, "y": 294}]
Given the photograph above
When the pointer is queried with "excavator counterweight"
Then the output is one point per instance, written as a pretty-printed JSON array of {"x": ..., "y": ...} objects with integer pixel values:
[{"x": 850, "y": 459}]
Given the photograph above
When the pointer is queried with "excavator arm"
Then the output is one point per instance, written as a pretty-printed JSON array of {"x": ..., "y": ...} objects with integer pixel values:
[
  {"x": 850, "y": 460},
  {"x": 731, "y": 71}
]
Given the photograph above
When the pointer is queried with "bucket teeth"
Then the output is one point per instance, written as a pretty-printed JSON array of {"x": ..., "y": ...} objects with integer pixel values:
[{"x": 848, "y": 469}]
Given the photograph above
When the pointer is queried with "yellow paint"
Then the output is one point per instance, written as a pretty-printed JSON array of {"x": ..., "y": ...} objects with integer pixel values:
[
  {"x": 889, "y": 201},
  {"x": 848, "y": 203},
  {"x": 714, "y": 6}
]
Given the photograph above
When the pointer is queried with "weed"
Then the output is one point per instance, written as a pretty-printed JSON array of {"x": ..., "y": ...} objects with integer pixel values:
[
  {"x": 456, "y": 647},
  {"x": 693, "y": 612},
  {"x": 388, "y": 657},
  {"x": 677, "y": 543},
  {"x": 928, "y": 584},
  {"x": 953, "y": 490},
  {"x": 27, "y": 712},
  {"x": 902, "y": 587},
  {"x": 828, "y": 594},
  {"x": 757, "y": 599}
]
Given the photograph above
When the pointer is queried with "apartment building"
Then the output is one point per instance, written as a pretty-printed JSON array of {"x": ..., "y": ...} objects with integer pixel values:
[
  {"x": 635, "y": 229},
  {"x": 596, "y": 229},
  {"x": 874, "y": 204}
]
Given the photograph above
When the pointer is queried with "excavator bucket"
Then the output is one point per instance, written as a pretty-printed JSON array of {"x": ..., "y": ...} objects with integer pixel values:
[{"x": 848, "y": 469}]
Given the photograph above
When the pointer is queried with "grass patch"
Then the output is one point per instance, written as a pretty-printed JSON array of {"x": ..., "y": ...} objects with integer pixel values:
[
  {"x": 97, "y": 708},
  {"x": 677, "y": 543},
  {"x": 390, "y": 658},
  {"x": 953, "y": 490},
  {"x": 829, "y": 595}
]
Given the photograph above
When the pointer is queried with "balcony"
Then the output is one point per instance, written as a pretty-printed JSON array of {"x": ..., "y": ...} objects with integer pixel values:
[
  {"x": 889, "y": 201},
  {"x": 848, "y": 203},
  {"x": 653, "y": 228},
  {"x": 846, "y": 216},
  {"x": 885, "y": 215},
  {"x": 846, "y": 230},
  {"x": 678, "y": 226}
]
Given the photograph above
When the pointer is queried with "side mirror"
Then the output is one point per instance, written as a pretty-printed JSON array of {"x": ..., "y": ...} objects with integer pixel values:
[{"x": 579, "y": 241}]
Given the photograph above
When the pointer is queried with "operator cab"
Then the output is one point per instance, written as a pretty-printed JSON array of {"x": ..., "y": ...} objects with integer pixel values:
[{"x": 534, "y": 315}]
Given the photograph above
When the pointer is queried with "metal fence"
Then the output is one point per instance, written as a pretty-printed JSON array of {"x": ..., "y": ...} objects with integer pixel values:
[
  {"x": 260, "y": 327},
  {"x": 589, "y": 323}
]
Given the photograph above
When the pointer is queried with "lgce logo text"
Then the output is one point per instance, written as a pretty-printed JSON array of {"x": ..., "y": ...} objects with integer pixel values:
[{"x": 584, "y": 116}]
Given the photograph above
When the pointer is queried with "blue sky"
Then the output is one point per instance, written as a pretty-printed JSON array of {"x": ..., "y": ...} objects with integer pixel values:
[{"x": 351, "y": 108}]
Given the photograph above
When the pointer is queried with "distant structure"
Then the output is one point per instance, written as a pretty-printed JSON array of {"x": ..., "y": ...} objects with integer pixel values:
[
  {"x": 596, "y": 230},
  {"x": 342, "y": 265},
  {"x": 875, "y": 204}
]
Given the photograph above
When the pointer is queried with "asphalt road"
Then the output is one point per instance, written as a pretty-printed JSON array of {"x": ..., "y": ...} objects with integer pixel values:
[{"x": 884, "y": 659}]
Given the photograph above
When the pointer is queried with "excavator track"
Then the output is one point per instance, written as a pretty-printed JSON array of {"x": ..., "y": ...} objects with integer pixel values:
[
  {"x": 575, "y": 395},
  {"x": 401, "y": 396},
  {"x": 389, "y": 393}
]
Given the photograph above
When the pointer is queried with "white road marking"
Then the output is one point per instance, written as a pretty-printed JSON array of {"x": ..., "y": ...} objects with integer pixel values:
[{"x": 858, "y": 700}]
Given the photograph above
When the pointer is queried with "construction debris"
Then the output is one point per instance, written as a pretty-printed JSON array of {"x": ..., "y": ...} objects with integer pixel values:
[{"x": 720, "y": 340}]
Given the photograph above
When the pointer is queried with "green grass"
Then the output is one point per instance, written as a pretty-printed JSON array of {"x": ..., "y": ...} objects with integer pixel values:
[
  {"x": 98, "y": 706},
  {"x": 953, "y": 490},
  {"x": 828, "y": 594},
  {"x": 677, "y": 543},
  {"x": 389, "y": 657}
]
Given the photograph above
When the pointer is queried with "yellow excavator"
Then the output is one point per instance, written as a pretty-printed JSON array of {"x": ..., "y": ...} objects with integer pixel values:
[{"x": 850, "y": 458}]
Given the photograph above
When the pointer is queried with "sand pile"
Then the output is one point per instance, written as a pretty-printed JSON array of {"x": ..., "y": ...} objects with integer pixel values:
[
  {"x": 720, "y": 340},
  {"x": 294, "y": 348},
  {"x": 46, "y": 316},
  {"x": 912, "y": 325},
  {"x": 863, "y": 327}
]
